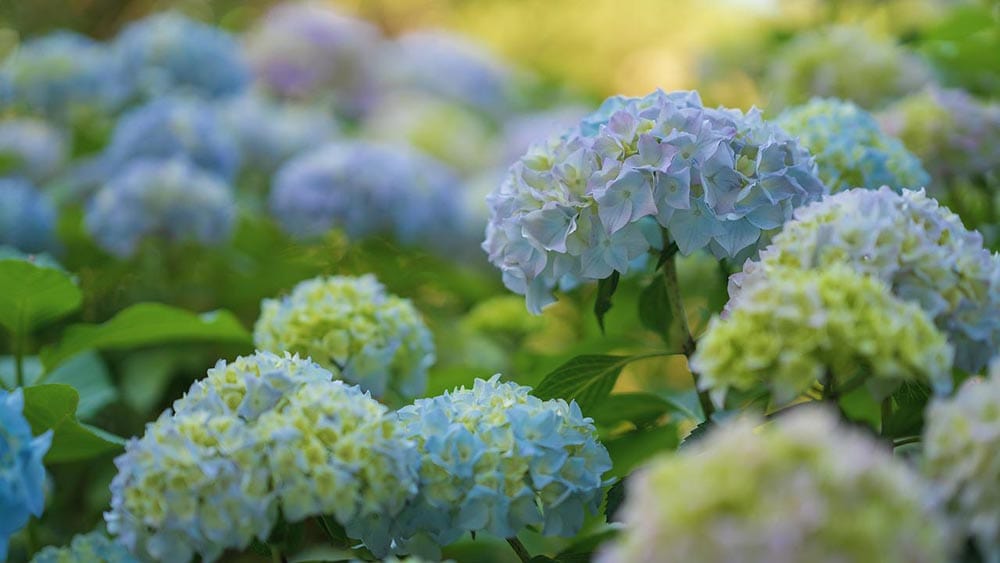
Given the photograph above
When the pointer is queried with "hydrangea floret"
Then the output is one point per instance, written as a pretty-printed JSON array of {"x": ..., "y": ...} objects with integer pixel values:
[
  {"x": 918, "y": 248},
  {"x": 356, "y": 329},
  {"x": 22, "y": 475},
  {"x": 800, "y": 489},
  {"x": 850, "y": 148},
  {"x": 169, "y": 200},
  {"x": 712, "y": 178},
  {"x": 496, "y": 459},
  {"x": 27, "y": 217},
  {"x": 961, "y": 445},
  {"x": 86, "y": 548},
  {"x": 832, "y": 326}
]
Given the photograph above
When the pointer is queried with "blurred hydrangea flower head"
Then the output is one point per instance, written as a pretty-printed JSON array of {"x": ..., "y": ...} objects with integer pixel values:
[
  {"x": 918, "y": 248},
  {"x": 522, "y": 131},
  {"x": 474, "y": 77},
  {"x": 956, "y": 135},
  {"x": 306, "y": 50},
  {"x": 962, "y": 459},
  {"x": 62, "y": 73},
  {"x": 194, "y": 483},
  {"x": 850, "y": 149},
  {"x": 169, "y": 200},
  {"x": 30, "y": 148},
  {"x": 269, "y": 133},
  {"x": 332, "y": 449},
  {"x": 170, "y": 53},
  {"x": 368, "y": 189},
  {"x": 712, "y": 178},
  {"x": 844, "y": 62},
  {"x": 800, "y": 489},
  {"x": 27, "y": 217},
  {"x": 86, "y": 548},
  {"x": 22, "y": 475},
  {"x": 354, "y": 328},
  {"x": 497, "y": 459},
  {"x": 175, "y": 127},
  {"x": 803, "y": 327}
]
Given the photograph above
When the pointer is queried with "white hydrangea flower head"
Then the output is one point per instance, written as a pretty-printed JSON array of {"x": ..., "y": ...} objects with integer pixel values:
[
  {"x": 195, "y": 483},
  {"x": 799, "y": 328},
  {"x": 496, "y": 459},
  {"x": 801, "y": 489},
  {"x": 850, "y": 149},
  {"x": 573, "y": 207},
  {"x": 918, "y": 248},
  {"x": 962, "y": 458},
  {"x": 353, "y": 327}
]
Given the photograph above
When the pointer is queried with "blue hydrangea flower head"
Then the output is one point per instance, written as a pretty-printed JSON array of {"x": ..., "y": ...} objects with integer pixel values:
[
  {"x": 175, "y": 127},
  {"x": 850, "y": 148},
  {"x": 170, "y": 53},
  {"x": 27, "y": 217},
  {"x": 921, "y": 250},
  {"x": 269, "y": 132},
  {"x": 574, "y": 206},
  {"x": 169, "y": 200},
  {"x": 22, "y": 475},
  {"x": 58, "y": 74},
  {"x": 844, "y": 62},
  {"x": 475, "y": 77},
  {"x": 31, "y": 148},
  {"x": 368, "y": 189},
  {"x": 354, "y": 328},
  {"x": 306, "y": 50},
  {"x": 86, "y": 548},
  {"x": 496, "y": 459}
]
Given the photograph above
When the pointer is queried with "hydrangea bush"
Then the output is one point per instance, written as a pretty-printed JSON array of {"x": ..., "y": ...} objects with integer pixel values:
[
  {"x": 831, "y": 326},
  {"x": 22, "y": 475},
  {"x": 354, "y": 328},
  {"x": 918, "y": 248},
  {"x": 712, "y": 178},
  {"x": 803, "y": 488},
  {"x": 850, "y": 149}
]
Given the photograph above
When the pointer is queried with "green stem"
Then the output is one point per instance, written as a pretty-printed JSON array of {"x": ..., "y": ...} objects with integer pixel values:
[
  {"x": 680, "y": 317},
  {"x": 277, "y": 556},
  {"x": 886, "y": 413},
  {"x": 519, "y": 549},
  {"x": 905, "y": 441}
]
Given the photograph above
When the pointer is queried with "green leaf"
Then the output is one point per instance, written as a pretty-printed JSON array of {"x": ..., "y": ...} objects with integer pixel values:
[
  {"x": 605, "y": 290},
  {"x": 634, "y": 448},
  {"x": 32, "y": 295},
  {"x": 654, "y": 308},
  {"x": 587, "y": 379},
  {"x": 582, "y": 549},
  {"x": 53, "y": 407},
  {"x": 614, "y": 499},
  {"x": 908, "y": 418},
  {"x": 145, "y": 324},
  {"x": 88, "y": 374},
  {"x": 641, "y": 409}
]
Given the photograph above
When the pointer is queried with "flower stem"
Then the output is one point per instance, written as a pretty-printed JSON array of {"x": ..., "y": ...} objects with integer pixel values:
[
  {"x": 680, "y": 317},
  {"x": 886, "y": 414},
  {"x": 277, "y": 556},
  {"x": 519, "y": 549}
]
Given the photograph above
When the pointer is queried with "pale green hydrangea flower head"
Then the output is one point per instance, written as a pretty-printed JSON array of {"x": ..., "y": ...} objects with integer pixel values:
[
  {"x": 850, "y": 149},
  {"x": 802, "y": 327},
  {"x": 802, "y": 489},
  {"x": 86, "y": 548},
  {"x": 354, "y": 328},
  {"x": 962, "y": 458},
  {"x": 918, "y": 248}
]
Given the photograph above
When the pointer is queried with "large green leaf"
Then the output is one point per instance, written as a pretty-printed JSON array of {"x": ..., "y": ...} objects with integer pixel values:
[
  {"x": 52, "y": 406},
  {"x": 640, "y": 409},
  {"x": 605, "y": 291},
  {"x": 86, "y": 372},
  {"x": 654, "y": 308},
  {"x": 634, "y": 448},
  {"x": 32, "y": 295},
  {"x": 144, "y": 324},
  {"x": 587, "y": 379}
]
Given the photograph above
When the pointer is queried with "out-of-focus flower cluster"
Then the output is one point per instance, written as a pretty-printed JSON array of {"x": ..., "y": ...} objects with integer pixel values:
[
  {"x": 800, "y": 489},
  {"x": 712, "y": 178},
  {"x": 850, "y": 149},
  {"x": 497, "y": 459},
  {"x": 22, "y": 475},
  {"x": 27, "y": 217},
  {"x": 827, "y": 326},
  {"x": 354, "y": 328},
  {"x": 31, "y": 149},
  {"x": 962, "y": 458},
  {"x": 86, "y": 548},
  {"x": 918, "y": 248},
  {"x": 844, "y": 62}
]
